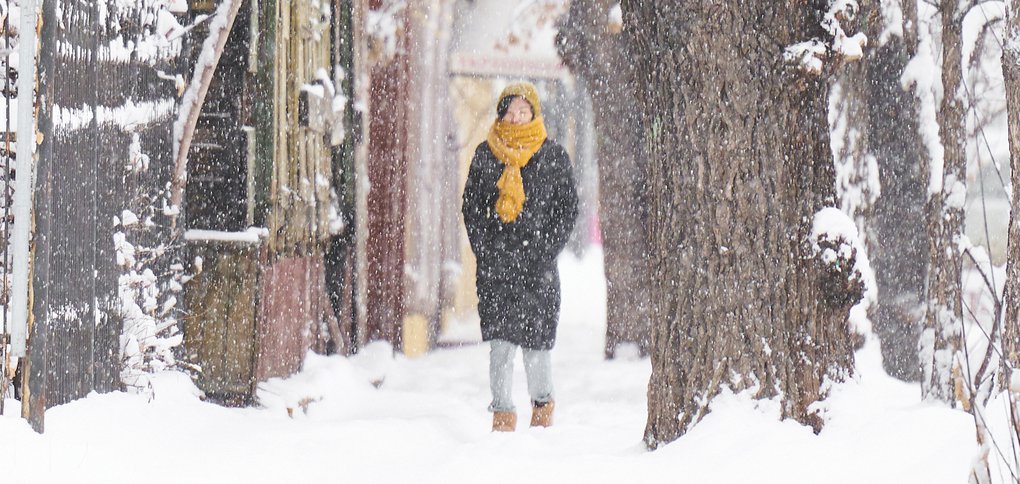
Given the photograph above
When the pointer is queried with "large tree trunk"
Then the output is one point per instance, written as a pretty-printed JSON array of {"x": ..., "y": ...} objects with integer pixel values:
[
  {"x": 1011, "y": 74},
  {"x": 947, "y": 191},
  {"x": 739, "y": 165},
  {"x": 596, "y": 56},
  {"x": 895, "y": 245}
]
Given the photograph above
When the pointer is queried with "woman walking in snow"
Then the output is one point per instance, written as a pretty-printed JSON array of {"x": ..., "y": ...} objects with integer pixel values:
[{"x": 519, "y": 208}]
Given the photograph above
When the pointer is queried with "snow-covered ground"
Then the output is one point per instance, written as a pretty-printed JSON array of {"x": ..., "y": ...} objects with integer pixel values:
[{"x": 427, "y": 423}]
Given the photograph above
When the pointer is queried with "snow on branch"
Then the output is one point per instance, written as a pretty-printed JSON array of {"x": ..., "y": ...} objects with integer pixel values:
[
  {"x": 614, "y": 19},
  {"x": 194, "y": 96},
  {"x": 811, "y": 55},
  {"x": 892, "y": 20}
]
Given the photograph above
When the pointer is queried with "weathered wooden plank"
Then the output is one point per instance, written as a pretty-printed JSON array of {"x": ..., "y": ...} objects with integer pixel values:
[
  {"x": 33, "y": 399},
  {"x": 299, "y": 222},
  {"x": 387, "y": 167},
  {"x": 278, "y": 188},
  {"x": 220, "y": 331},
  {"x": 292, "y": 307},
  {"x": 340, "y": 257},
  {"x": 5, "y": 363},
  {"x": 217, "y": 192},
  {"x": 263, "y": 112}
]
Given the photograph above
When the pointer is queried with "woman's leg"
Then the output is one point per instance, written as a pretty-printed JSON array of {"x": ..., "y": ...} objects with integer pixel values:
[
  {"x": 538, "y": 367},
  {"x": 501, "y": 372}
]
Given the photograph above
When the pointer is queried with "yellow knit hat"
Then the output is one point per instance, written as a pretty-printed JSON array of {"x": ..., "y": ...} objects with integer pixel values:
[{"x": 526, "y": 90}]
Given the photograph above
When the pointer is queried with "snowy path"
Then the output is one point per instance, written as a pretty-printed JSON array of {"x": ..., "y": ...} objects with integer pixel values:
[{"x": 427, "y": 423}]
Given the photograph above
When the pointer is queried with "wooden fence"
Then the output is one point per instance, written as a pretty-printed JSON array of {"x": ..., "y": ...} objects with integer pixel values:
[{"x": 100, "y": 95}]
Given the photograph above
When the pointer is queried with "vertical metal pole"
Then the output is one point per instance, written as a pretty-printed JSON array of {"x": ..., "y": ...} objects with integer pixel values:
[
  {"x": 24, "y": 185},
  {"x": 253, "y": 38},
  {"x": 361, "y": 79},
  {"x": 249, "y": 135},
  {"x": 5, "y": 356}
]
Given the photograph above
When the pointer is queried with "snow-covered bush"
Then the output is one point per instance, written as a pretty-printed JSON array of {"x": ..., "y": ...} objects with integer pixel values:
[{"x": 147, "y": 284}]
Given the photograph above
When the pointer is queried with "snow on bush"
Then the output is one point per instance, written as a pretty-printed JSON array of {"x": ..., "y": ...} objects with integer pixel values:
[
  {"x": 848, "y": 47},
  {"x": 156, "y": 41},
  {"x": 809, "y": 56},
  {"x": 146, "y": 299}
]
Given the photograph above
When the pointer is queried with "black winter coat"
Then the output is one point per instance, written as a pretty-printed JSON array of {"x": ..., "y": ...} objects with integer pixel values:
[{"x": 518, "y": 281}]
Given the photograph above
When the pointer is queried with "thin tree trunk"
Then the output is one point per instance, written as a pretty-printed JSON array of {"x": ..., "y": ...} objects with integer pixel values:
[
  {"x": 947, "y": 193},
  {"x": 1011, "y": 74},
  {"x": 739, "y": 165},
  {"x": 596, "y": 56},
  {"x": 194, "y": 97}
]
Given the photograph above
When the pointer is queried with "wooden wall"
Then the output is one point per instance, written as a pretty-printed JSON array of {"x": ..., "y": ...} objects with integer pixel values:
[
  {"x": 217, "y": 184},
  {"x": 242, "y": 333},
  {"x": 221, "y": 330},
  {"x": 387, "y": 178},
  {"x": 302, "y": 176}
]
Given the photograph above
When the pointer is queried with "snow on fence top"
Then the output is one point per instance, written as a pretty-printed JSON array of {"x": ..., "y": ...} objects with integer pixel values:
[
  {"x": 250, "y": 236},
  {"x": 126, "y": 116}
]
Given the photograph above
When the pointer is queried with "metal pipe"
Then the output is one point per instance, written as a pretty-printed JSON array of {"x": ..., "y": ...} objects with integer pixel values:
[
  {"x": 249, "y": 135},
  {"x": 253, "y": 37},
  {"x": 7, "y": 161},
  {"x": 25, "y": 184},
  {"x": 5, "y": 356}
]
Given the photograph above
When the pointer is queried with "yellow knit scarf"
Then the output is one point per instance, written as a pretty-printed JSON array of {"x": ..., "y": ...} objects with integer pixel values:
[{"x": 514, "y": 145}]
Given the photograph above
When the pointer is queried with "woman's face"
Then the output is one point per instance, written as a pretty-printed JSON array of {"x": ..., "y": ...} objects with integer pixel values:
[{"x": 519, "y": 111}]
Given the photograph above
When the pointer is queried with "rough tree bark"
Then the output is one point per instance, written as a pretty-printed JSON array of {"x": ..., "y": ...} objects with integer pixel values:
[
  {"x": 739, "y": 165},
  {"x": 947, "y": 191},
  {"x": 896, "y": 247},
  {"x": 1011, "y": 74},
  {"x": 596, "y": 56}
]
